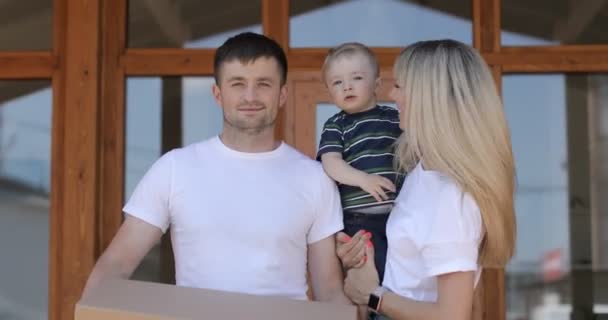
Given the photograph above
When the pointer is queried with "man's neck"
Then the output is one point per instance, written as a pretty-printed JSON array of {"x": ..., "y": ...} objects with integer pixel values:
[{"x": 251, "y": 142}]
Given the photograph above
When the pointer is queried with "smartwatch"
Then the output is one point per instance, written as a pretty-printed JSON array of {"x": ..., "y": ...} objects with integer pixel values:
[{"x": 375, "y": 299}]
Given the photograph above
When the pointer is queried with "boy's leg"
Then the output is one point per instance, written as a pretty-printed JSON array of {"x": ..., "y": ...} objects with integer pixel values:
[{"x": 376, "y": 224}]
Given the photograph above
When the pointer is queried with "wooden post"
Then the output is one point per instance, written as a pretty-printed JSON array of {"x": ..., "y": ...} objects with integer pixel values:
[
  {"x": 275, "y": 23},
  {"x": 76, "y": 154}
]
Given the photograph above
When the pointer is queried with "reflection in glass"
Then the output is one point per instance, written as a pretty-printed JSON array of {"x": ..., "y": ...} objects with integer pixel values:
[
  {"x": 25, "y": 151},
  {"x": 200, "y": 119},
  {"x": 190, "y": 23},
  {"x": 26, "y": 25},
  {"x": 540, "y": 277},
  {"x": 561, "y": 22},
  {"x": 381, "y": 23}
]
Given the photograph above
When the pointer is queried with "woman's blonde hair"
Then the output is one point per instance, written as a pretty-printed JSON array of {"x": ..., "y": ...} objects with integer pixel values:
[{"x": 455, "y": 123}]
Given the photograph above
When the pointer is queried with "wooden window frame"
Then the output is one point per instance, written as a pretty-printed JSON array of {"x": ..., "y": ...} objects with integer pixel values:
[{"x": 88, "y": 66}]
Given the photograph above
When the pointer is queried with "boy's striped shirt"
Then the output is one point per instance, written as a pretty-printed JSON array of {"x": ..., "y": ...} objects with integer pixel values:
[{"x": 366, "y": 141}]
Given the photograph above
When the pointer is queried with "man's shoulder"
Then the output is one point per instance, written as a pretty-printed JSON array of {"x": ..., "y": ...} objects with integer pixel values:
[
  {"x": 301, "y": 161},
  {"x": 188, "y": 152}
]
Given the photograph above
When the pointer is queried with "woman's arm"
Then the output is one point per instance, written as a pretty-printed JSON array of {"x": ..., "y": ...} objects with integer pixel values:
[
  {"x": 454, "y": 295},
  {"x": 454, "y": 301}
]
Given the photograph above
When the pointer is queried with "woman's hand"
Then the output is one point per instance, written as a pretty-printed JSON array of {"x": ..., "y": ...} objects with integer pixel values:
[
  {"x": 351, "y": 251},
  {"x": 361, "y": 282}
]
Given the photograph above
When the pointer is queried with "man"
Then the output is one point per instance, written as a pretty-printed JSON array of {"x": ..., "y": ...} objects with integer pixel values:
[{"x": 247, "y": 213}]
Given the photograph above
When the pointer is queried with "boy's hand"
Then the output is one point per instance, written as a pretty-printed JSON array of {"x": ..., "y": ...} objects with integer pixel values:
[
  {"x": 375, "y": 185},
  {"x": 351, "y": 251}
]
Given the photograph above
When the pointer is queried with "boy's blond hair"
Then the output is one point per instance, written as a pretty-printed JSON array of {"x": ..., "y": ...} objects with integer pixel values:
[{"x": 349, "y": 49}]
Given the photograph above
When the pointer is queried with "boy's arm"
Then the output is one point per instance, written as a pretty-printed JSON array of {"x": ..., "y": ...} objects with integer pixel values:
[
  {"x": 341, "y": 171},
  {"x": 344, "y": 173}
]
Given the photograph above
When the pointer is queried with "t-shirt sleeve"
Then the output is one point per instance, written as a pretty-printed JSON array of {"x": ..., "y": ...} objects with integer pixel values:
[
  {"x": 328, "y": 211},
  {"x": 151, "y": 198},
  {"x": 331, "y": 138},
  {"x": 452, "y": 242}
]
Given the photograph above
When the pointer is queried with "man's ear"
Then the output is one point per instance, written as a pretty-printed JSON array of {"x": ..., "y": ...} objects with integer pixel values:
[
  {"x": 217, "y": 94},
  {"x": 283, "y": 96}
]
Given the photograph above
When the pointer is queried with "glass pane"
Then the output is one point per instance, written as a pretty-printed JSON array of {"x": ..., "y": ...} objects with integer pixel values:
[
  {"x": 598, "y": 114},
  {"x": 26, "y": 25},
  {"x": 25, "y": 151},
  {"x": 199, "y": 117},
  {"x": 541, "y": 278},
  {"x": 326, "y": 111},
  {"x": 561, "y": 21},
  {"x": 190, "y": 23},
  {"x": 379, "y": 23}
]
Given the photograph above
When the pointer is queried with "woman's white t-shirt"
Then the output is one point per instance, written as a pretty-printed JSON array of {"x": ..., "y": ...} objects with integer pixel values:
[{"x": 433, "y": 229}]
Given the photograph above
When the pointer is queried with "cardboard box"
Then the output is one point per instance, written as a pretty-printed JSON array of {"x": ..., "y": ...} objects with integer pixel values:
[{"x": 137, "y": 300}]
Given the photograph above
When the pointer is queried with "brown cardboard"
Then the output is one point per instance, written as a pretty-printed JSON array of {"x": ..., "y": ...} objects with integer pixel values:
[{"x": 137, "y": 300}]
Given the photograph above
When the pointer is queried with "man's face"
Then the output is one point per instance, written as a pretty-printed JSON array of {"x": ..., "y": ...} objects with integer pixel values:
[{"x": 250, "y": 94}]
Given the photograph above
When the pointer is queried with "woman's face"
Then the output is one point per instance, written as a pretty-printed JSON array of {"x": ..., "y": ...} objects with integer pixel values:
[{"x": 397, "y": 94}]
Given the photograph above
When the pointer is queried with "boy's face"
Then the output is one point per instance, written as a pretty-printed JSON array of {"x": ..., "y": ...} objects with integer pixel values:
[
  {"x": 250, "y": 94},
  {"x": 352, "y": 83}
]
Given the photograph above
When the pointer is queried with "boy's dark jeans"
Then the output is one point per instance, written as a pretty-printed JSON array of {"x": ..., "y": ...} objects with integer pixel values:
[{"x": 376, "y": 225}]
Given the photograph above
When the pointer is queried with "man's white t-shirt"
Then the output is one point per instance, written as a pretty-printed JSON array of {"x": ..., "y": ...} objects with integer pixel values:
[
  {"x": 433, "y": 229},
  {"x": 240, "y": 222}
]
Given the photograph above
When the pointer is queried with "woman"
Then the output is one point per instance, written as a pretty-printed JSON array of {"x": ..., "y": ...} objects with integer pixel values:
[{"x": 454, "y": 215}]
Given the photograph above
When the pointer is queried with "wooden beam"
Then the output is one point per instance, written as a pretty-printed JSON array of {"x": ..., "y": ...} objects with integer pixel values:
[
  {"x": 167, "y": 15},
  {"x": 579, "y": 58},
  {"x": 168, "y": 62},
  {"x": 551, "y": 59},
  {"x": 112, "y": 121},
  {"x": 486, "y": 25},
  {"x": 580, "y": 16},
  {"x": 75, "y": 153},
  {"x": 275, "y": 23},
  {"x": 27, "y": 65},
  {"x": 311, "y": 59}
]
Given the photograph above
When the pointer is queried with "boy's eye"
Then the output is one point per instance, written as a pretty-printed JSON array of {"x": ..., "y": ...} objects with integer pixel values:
[
  {"x": 335, "y": 83},
  {"x": 397, "y": 86},
  {"x": 358, "y": 77}
]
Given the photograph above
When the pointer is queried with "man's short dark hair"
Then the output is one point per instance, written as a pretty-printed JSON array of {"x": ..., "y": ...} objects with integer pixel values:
[{"x": 246, "y": 47}]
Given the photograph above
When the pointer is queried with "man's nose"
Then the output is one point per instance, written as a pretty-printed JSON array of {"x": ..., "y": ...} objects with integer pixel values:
[{"x": 250, "y": 93}]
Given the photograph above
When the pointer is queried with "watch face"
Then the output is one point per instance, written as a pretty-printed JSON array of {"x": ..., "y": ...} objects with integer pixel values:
[{"x": 373, "y": 302}]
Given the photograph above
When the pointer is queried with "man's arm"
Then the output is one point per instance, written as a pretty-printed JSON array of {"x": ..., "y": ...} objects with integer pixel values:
[
  {"x": 132, "y": 242},
  {"x": 325, "y": 272}
]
